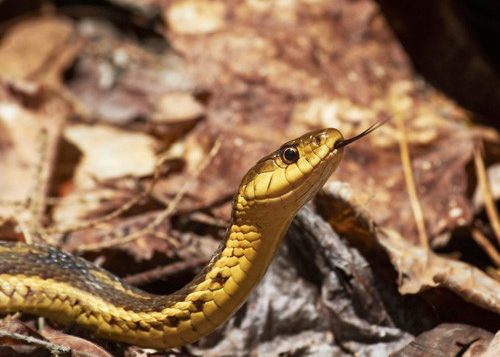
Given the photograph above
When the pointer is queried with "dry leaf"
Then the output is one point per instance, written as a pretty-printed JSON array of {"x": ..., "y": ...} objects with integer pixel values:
[
  {"x": 196, "y": 17},
  {"x": 79, "y": 346},
  {"x": 420, "y": 269},
  {"x": 175, "y": 107},
  {"x": 38, "y": 50},
  {"x": 81, "y": 205},
  {"x": 417, "y": 267},
  {"x": 448, "y": 340},
  {"x": 494, "y": 347},
  {"x": 110, "y": 153}
]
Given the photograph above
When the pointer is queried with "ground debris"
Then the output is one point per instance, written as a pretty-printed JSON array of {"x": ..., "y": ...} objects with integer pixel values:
[
  {"x": 126, "y": 126},
  {"x": 418, "y": 268}
]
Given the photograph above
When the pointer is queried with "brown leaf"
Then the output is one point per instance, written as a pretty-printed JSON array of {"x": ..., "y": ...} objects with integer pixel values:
[
  {"x": 196, "y": 17},
  {"x": 373, "y": 170},
  {"x": 103, "y": 149},
  {"x": 175, "y": 107},
  {"x": 79, "y": 346},
  {"x": 267, "y": 58},
  {"x": 494, "y": 347},
  {"x": 417, "y": 267},
  {"x": 82, "y": 205},
  {"x": 38, "y": 50},
  {"x": 448, "y": 340},
  {"x": 420, "y": 269}
]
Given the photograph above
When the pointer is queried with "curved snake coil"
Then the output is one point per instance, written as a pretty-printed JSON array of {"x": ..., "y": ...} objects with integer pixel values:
[{"x": 45, "y": 281}]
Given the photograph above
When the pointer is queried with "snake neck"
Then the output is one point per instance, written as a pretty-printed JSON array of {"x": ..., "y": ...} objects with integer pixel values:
[
  {"x": 264, "y": 236},
  {"x": 241, "y": 260}
]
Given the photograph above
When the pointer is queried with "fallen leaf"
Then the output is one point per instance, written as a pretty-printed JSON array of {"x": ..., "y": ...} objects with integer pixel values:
[
  {"x": 175, "y": 107},
  {"x": 38, "y": 50},
  {"x": 109, "y": 153},
  {"x": 196, "y": 17},
  {"x": 448, "y": 340},
  {"x": 494, "y": 347},
  {"x": 418, "y": 268},
  {"x": 79, "y": 346}
]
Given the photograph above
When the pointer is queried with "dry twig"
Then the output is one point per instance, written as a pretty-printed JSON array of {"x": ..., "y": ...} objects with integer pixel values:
[
  {"x": 484, "y": 184},
  {"x": 484, "y": 243},
  {"x": 162, "y": 272},
  {"x": 30, "y": 212},
  {"x": 410, "y": 183},
  {"x": 55, "y": 350}
]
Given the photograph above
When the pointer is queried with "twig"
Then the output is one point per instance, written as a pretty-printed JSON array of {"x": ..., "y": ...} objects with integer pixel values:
[
  {"x": 120, "y": 241},
  {"x": 149, "y": 229},
  {"x": 484, "y": 184},
  {"x": 26, "y": 231},
  {"x": 34, "y": 203},
  {"x": 489, "y": 248},
  {"x": 86, "y": 198},
  {"x": 163, "y": 272},
  {"x": 54, "y": 349},
  {"x": 494, "y": 273},
  {"x": 37, "y": 196},
  {"x": 410, "y": 183}
]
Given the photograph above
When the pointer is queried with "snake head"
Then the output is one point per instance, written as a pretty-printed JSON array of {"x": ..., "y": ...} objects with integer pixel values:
[{"x": 293, "y": 174}]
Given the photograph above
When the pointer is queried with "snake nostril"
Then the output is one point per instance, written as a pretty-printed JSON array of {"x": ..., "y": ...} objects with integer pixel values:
[{"x": 317, "y": 140}]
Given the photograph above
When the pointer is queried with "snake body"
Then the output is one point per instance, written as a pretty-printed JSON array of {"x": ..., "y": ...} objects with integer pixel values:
[{"x": 45, "y": 281}]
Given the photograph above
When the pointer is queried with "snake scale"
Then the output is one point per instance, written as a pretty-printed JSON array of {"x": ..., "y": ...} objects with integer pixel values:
[{"x": 42, "y": 280}]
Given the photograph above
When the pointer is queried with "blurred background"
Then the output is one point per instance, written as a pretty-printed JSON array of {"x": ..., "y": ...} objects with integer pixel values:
[{"x": 126, "y": 127}]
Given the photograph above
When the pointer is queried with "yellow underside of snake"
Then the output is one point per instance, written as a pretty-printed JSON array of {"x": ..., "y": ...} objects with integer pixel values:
[{"x": 45, "y": 281}]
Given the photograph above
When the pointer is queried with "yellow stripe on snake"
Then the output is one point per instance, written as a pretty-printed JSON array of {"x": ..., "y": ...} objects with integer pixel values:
[{"x": 45, "y": 281}]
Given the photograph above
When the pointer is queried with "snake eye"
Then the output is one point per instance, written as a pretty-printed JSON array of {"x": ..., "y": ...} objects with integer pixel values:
[{"x": 289, "y": 155}]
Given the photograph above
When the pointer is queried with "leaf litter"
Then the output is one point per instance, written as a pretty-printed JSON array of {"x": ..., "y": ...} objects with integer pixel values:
[{"x": 103, "y": 127}]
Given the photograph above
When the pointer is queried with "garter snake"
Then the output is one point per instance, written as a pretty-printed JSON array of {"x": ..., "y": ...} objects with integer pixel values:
[{"x": 42, "y": 280}]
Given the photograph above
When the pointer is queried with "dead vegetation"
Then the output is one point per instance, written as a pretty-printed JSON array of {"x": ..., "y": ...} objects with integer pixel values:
[{"x": 125, "y": 128}]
